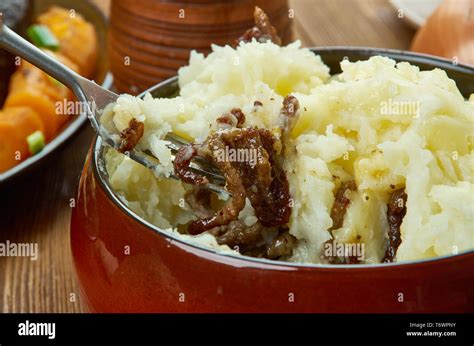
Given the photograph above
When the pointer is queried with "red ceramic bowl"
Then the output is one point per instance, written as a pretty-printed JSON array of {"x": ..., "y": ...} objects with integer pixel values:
[{"x": 125, "y": 264}]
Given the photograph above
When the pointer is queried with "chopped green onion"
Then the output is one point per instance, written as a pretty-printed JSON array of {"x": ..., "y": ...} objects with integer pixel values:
[
  {"x": 36, "y": 142},
  {"x": 42, "y": 37}
]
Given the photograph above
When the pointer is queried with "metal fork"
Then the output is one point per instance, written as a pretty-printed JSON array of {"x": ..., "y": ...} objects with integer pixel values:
[{"x": 89, "y": 93}]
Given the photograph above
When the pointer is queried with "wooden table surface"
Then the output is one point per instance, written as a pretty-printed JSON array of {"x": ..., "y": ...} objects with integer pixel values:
[{"x": 37, "y": 209}]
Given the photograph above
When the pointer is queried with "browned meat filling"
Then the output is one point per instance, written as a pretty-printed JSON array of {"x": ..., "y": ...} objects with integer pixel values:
[
  {"x": 395, "y": 213},
  {"x": 290, "y": 108},
  {"x": 262, "y": 31},
  {"x": 282, "y": 245},
  {"x": 249, "y": 240},
  {"x": 289, "y": 116},
  {"x": 211, "y": 149},
  {"x": 130, "y": 136},
  {"x": 262, "y": 180},
  {"x": 235, "y": 118},
  {"x": 236, "y": 233},
  {"x": 341, "y": 203},
  {"x": 339, "y": 259},
  {"x": 339, "y": 208},
  {"x": 199, "y": 200},
  {"x": 181, "y": 166}
]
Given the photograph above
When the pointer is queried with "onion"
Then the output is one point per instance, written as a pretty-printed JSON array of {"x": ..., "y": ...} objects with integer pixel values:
[{"x": 449, "y": 32}]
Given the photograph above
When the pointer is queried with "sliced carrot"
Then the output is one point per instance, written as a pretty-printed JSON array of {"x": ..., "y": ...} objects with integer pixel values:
[
  {"x": 26, "y": 75},
  {"x": 16, "y": 124},
  {"x": 41, "y": 104},
  {"x": 25, "y": 119},
  {"x": 10, "y": 146},
  {"x": 77, "y": 38},
  {"x": 32, "y": 76},
  {"x": 31, "y": 87},
  {"x": 58, "y": 92}
]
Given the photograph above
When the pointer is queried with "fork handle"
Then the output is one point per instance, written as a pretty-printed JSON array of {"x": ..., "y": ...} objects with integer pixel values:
[{"x": 15, "y": 44}]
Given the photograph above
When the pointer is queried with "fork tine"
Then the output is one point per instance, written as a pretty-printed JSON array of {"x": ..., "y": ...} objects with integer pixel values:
[
  {"x": 174, "y": 138},
  {"x": 217, "y": 177},
  {"x": 217, "y": 181},
  {"x": 177, "y": 142}
]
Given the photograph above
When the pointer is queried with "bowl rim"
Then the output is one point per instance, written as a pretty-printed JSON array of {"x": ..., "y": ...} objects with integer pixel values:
[{"x": 101, "y": 176}]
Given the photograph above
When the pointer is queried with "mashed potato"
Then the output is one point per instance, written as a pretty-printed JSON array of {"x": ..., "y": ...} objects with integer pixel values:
[{"x": 382, "y": 124}]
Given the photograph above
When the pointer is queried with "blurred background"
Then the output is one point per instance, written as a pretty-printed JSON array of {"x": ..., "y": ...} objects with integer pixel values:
[{"x": 140, "y": 43}]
